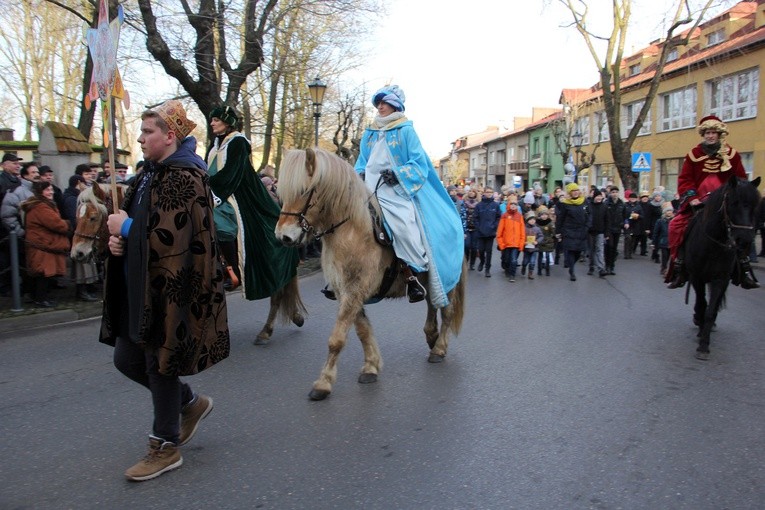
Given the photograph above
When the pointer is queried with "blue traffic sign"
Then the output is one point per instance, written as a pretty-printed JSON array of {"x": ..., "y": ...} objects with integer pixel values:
[{"x": 641, "y": 161}]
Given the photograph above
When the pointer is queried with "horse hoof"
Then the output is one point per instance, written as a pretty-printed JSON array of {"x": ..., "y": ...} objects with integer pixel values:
[
  {"x": 261, "y": 340},
  {"x": 318, "y": 394},
  {"x": 435, "y": 358},
  {"x": 298, "y": 320},
  {"x": 703, "y": 356},
  {"x": 367, "y": 378}
]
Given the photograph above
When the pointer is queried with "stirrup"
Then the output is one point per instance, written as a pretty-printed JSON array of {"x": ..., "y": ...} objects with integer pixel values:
[
  {"x": 414, "y": 290},
  {"x": 329, "y": 293},
  {"x": 746, "y": 278}
]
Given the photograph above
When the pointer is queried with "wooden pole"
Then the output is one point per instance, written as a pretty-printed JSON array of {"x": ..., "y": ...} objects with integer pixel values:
[{"x": 113, "y": 177}]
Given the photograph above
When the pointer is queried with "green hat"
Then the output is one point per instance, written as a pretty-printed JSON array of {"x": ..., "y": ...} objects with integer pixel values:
[{"x": 227, "y": 114}]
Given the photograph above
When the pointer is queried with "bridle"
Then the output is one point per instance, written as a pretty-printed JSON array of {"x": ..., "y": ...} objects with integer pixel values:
[
  {"x": 305, "y": 225},
  {"x": 730, "y": 243}
]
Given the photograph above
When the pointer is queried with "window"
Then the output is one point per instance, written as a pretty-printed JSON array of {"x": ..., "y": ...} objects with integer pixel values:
[
  {"x": 634, "y": 69},
  {"x": 747, "y": 159},
  {"x": 673, "y": 54},
  {"x": 734, "y": 97},
  {"x": 535, "y": 149},
  {"x": 601, "y": 127},
  {"x": 669, "y": 169},
  {"x": 511, "y": 154},
  {"x": 716, "y": 37},
  {"x": 582, "y": 128},
  {"x": 677, "y": 109},
  {"x": 629, "y": 116},
  {"x": 522, "y": 153}
]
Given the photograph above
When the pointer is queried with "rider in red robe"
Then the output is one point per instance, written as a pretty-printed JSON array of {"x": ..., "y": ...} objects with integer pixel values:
[{"x": 707, "y": 166}]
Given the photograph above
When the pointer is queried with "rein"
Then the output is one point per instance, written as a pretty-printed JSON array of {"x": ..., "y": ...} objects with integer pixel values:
[{"x": 309, "y": 229}]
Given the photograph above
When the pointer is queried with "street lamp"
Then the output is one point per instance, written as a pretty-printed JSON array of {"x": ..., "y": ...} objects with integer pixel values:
[{"x": 317, "y": 89}]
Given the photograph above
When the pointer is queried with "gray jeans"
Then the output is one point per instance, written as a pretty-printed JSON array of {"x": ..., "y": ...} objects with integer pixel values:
[{"x": 597, "y": 244}]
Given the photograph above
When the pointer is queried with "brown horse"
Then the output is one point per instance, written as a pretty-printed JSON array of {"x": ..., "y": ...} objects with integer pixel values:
[
  {"x": 91, "y": 236},
  {"x": 93, "y": 207},
  {"x": 324, "y": 198}
]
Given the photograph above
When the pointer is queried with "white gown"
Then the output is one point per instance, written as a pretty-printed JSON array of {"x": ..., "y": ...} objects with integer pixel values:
[{"x": 398, "y": 211}]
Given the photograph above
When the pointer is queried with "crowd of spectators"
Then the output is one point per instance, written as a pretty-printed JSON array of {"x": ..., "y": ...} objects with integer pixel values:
[
  {"x": 534, "y": 230},
  {"x": 43, "y": 218}
]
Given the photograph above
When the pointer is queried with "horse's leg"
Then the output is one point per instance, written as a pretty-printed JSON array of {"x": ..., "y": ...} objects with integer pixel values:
[
  {"x": 268, "y": 328},
  {"x": 441, "y": 345},
  {"x": 431, "y": 326},
  {"x": 285, "y": 303},
  {"x": 346, "y": 315},
  {"x": 372, "y": 358},
  {"x": 700, "y": 307},
  {"x": 716, "y": 296},
  {"x": 291, "y": 306},
  {"x": 451, "y": 320}
]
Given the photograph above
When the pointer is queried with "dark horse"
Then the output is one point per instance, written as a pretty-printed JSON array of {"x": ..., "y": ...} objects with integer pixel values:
[{"x": 724, "y": 227}]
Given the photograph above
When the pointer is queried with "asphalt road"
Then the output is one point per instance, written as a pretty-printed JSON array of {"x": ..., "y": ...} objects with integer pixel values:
[{"x": 557, "y": 394}]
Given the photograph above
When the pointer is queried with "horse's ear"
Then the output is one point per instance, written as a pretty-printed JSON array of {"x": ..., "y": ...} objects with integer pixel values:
[
  {"x": 756, "y": 182},
  {"x": 98, "y": 192},
  {"x": 310, "y": 161}
]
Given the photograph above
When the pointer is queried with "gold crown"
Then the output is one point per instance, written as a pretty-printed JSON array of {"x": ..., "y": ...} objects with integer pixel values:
[{"x": 174, "y": 115}]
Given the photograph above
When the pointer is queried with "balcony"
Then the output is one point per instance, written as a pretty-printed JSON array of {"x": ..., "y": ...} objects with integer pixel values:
[
  {"x": 497, "y": 169},
  {"x": 543, "y": 160}
]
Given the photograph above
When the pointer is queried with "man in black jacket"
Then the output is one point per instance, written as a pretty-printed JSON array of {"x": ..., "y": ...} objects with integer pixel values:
[
  {"x": 617, "y": 219},
  {"x": 487, "y": 217},
  {"x": 597, "y": 232}
]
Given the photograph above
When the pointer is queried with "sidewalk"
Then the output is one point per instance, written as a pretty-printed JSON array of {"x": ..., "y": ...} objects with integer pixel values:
[{"x": 69, "y": 308}]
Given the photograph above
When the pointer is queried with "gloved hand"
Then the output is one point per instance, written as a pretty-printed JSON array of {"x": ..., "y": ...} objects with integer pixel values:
[{"x": 389, "y": 177}]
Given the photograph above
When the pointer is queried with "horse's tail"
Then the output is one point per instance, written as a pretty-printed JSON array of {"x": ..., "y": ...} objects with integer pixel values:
[
  {"x": 290, "y": 303},
  {"x": 458, "y": 300}
]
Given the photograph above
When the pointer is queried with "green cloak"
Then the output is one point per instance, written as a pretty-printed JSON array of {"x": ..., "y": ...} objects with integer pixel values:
[{"x": 267, "y": 264}]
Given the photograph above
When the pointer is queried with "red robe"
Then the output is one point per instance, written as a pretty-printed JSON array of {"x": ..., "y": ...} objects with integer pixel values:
[{"x": 702, "y": 174}]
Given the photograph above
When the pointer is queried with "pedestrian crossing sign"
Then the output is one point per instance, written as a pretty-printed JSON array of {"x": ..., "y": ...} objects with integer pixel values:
[{"x": 641, "y": 162}]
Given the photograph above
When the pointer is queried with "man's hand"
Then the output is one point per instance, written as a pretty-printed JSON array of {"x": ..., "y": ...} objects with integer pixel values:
[
  {"x": 389, "y": 177},
  {"x": 115, "y": 221},
  {"x": 116, "y": 246},
  {"x": 695, "y": 202}
]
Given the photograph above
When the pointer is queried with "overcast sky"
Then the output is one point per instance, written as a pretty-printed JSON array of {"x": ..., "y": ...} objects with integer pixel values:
[{"x": 466, "y": 65}]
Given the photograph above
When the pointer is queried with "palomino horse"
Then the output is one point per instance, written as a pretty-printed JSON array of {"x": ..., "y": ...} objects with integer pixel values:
[
  {"x": 324, "y": 197},
  {"x": 91, "y": 237},
  {"x": 725, "y": 227}
]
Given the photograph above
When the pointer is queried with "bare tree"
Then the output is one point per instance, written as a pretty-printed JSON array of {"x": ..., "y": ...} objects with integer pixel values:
[
  {"x": 351, "y": 115},
  {"x": 203, "y": 67},
  {"x": 609, "y": 69},
  {"x": 44, "y": 77}
]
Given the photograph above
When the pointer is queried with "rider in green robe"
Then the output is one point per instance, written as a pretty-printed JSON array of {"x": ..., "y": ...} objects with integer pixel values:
[{"x": 247, "y": 212}]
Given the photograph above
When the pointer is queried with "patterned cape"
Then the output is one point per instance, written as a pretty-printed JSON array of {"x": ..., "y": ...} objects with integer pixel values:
[{"x": 175, "y": 299}]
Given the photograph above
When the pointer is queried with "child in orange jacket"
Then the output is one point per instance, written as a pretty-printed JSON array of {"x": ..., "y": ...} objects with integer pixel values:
[{"x": 511, "y": 235}]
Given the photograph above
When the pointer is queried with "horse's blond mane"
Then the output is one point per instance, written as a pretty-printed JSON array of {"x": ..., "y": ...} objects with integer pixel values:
[
  {"x": 337, "y": 188},
  {"x": 87, "y": 196}
]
